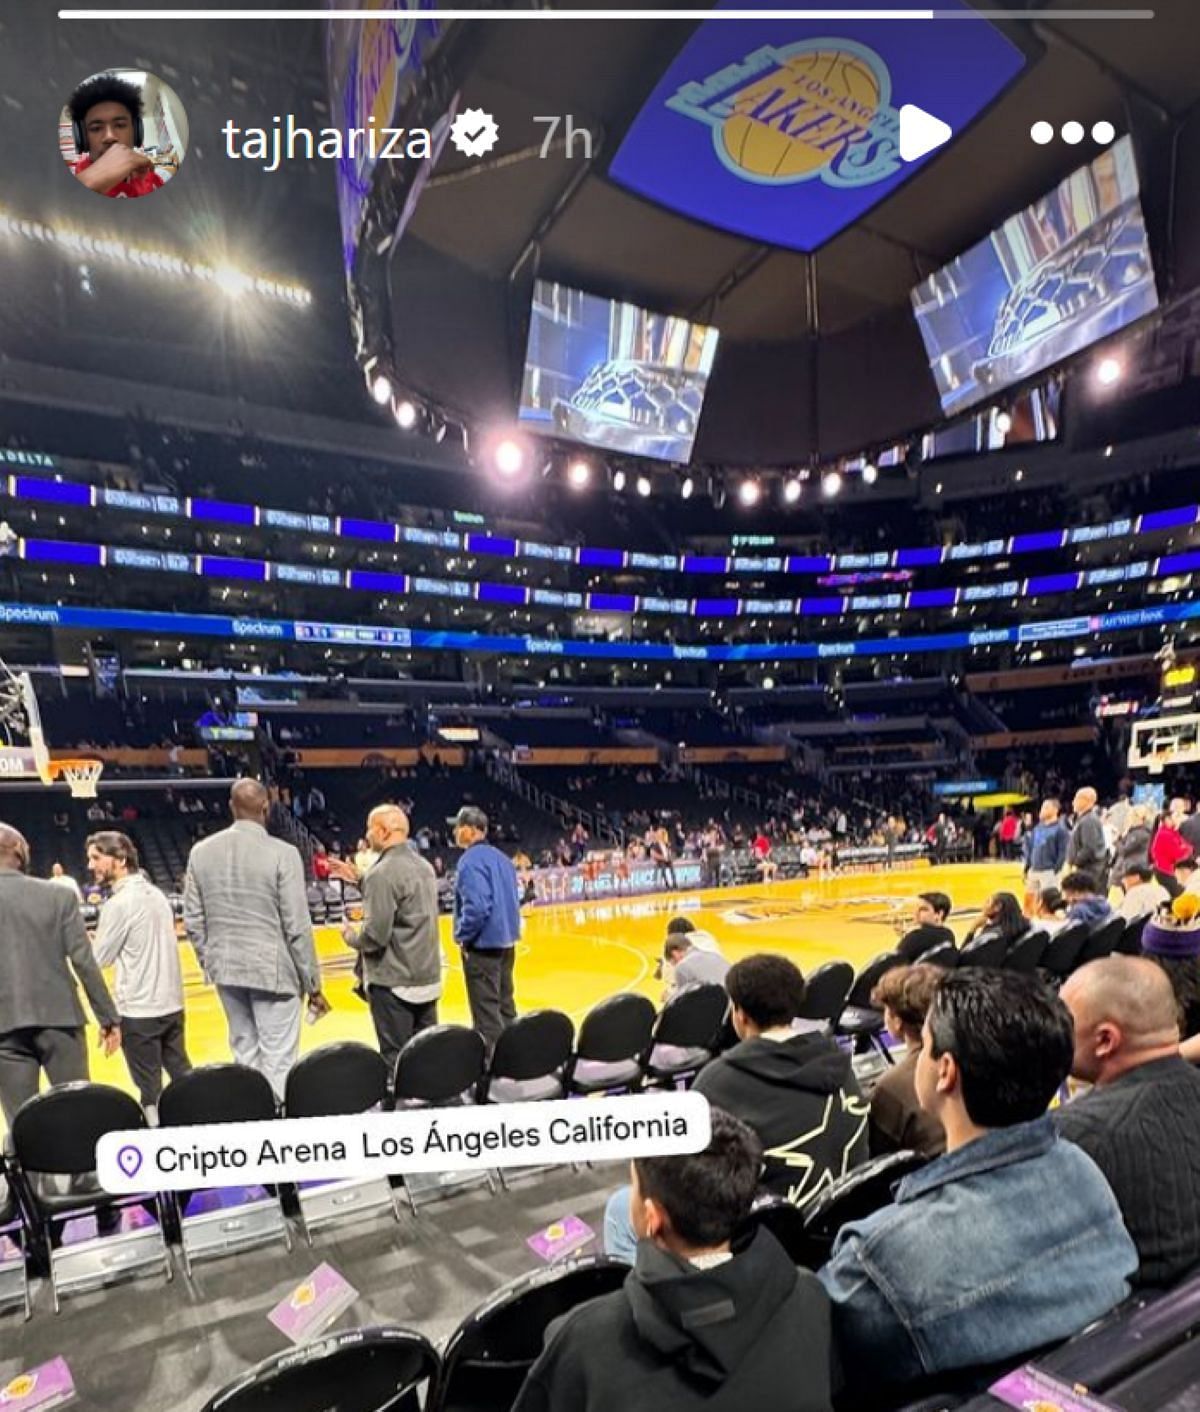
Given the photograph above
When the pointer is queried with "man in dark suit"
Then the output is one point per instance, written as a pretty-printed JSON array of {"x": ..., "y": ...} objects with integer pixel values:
[{"x": 41, "y": 1019}]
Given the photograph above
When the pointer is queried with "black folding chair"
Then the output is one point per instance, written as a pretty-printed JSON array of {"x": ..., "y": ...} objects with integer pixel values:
[
  {"x": 1063, "y": 952},
  {"x": 362, "y": 1370},
  {"x": 1101, "y": 941},
  {"x": 685, "y": 1036},
  {"x": 612, "y": 1039},
  {"x": 984, "y": 951},
  {"x": 342, "y": 1078},
  {"x": 826, "y": 992},
  {"x": 530, "y": 1059},
  {"x": 945, "y": 954},
  {"x": 441, "y": 1067},
  {"x": 487, "y": 1357},
  {"x": 52, "y": 1161},
  {"x": 1025, "y": 954},
  {"x": 860, "y": 1192},
  {"x": 859, "y": 1019},
  {"x": 14, "y": 1273},
  {"x": 222, "y": 1093},
  {"x": 787, "y": 1224}
]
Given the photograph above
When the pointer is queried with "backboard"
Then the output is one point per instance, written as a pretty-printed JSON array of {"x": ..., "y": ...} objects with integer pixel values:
[{"x": 1163, "y": 741}]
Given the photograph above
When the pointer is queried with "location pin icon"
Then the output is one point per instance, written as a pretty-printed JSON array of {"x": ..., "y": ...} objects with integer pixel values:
[{"x": 129, "y": 1159}]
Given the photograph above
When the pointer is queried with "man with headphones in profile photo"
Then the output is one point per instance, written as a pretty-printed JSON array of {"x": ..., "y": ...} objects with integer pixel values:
[{"x": 106, "y": 119}]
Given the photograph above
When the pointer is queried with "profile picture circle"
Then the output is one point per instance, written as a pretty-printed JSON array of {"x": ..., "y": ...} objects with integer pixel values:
[{"x": 123, "y": 132}]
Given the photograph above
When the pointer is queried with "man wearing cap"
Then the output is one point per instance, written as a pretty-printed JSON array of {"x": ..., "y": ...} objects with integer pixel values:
[{"x": 487, "y": 924}]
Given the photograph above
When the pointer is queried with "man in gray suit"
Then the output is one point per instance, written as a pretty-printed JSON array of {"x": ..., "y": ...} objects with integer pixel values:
[
  {"x": 246, "y": 913},
  {"x": 42, "y": 940}
]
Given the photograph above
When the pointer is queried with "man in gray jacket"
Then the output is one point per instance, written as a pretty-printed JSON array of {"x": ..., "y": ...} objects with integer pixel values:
[
  {"x": 246, "y": 913},
  {"x": 42, "y": 940},
  {"x": 1087, "y": 848},
  {"x": 398, "y": 939}
]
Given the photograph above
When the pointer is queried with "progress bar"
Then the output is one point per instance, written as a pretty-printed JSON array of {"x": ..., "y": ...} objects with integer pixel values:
[{"x": 717, "y": 15}]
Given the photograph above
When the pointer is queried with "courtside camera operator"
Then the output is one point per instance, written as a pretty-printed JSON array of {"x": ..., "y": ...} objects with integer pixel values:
[{"x": 106, "y": 117}]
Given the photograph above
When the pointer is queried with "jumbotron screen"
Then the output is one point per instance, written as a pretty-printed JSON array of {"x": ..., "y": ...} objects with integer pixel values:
[
  {"x": 613, "y": 375},
  {"x": 1067, "y": 271}
]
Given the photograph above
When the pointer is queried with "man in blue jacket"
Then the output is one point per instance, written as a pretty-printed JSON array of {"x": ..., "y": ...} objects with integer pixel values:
[
  {"x": 1045, "y": 853},
  {"x": 487, "y": 924}
]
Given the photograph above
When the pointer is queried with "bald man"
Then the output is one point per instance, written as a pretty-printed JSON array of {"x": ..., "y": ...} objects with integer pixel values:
[
  {"x": 42, "y": 941},
  {"x": 1140, "y": 1123},
  {"x": 398, "y": 939},
  {"x": 245, "y": 909},
  {"x": 1087, "y": 848}
]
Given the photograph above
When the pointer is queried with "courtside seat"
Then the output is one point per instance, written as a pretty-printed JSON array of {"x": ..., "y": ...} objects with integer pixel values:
[
  {"x": 612, "y": 1040},
  {"x": 863, "y": 1190},
  {"x": 488, "y": 1356},
  {"x": 983, "y": 951},
  {"x": 859, "y": 1019},
  {"x": 1101, "y": 941},
  {"x": 1063, "y": 952},
  {"x": 362, "y": 1370},
  {"x": 1025, "y": 954},
  {"x": 686, "y": 1035},
  {"x": 529, "y": 1063}
]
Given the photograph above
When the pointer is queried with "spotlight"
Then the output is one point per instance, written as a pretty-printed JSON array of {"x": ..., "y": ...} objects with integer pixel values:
[
  {"x": 1109, "y": 371},
  {"x": 831, "y": 484},
  {"x": 870, "y": 473},
  {"x": 509, "y": 457},
  {"x": 406, "y": 414},
  {"x": 768, "y": 683},
  {"x": 643, "y": 486},
  {"x": 687, "y": 488},
  {"x": 792, "y": 489},
  {"x": 749, "y": 492},
  {"x": 381, "y": 390},
  {"x": 579, "y": 473},
  {"x": 1003, "y": 422},
  {"x": 618, "y": 480}
]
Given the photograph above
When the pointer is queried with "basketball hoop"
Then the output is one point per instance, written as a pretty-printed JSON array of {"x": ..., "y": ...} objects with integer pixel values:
[{"x": 82, "y": 776}]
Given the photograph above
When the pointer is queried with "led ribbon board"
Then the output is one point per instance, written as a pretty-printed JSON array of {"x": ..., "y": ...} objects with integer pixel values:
[{"x": 787, "y": 131}]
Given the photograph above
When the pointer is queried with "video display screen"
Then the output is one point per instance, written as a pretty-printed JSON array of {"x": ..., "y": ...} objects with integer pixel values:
[
  {"x": 1065, "y": 272},
  {"x": 613, "y": 375}
]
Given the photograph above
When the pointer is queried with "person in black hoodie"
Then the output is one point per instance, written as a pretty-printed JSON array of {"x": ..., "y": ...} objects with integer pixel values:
[
  {"x": 796, "y": 1091},
  {"x": 707, "y": 1321}
]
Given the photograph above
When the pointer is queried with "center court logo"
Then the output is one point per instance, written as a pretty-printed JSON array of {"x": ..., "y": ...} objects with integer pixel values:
[{"x": 818, "y": 109}]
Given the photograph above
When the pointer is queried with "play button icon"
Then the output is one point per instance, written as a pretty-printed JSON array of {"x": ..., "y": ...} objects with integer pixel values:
[{"x": 920, "y": 132}]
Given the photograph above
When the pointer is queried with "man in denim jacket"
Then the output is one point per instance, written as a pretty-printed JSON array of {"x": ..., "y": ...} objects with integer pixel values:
[{"x": 1013, "y": 1239}]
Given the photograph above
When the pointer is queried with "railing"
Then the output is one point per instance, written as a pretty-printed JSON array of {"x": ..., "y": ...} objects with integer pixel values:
[{"x": 503, "y": 772}]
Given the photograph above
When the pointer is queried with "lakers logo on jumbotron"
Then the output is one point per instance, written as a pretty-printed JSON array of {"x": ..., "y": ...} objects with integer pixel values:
[{"x": 820, "y": 108}]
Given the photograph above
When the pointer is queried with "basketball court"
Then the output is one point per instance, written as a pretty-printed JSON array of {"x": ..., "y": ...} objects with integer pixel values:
[{"x": 573, "y": 956}]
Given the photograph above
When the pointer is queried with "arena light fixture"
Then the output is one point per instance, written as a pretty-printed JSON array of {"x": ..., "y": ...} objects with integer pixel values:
[
  {"x": 687, "y": 489},
  {"x": 831, "y": 484},
  {"x": 749, "y": 492},
  {"x": 870, "y": 473},
  {"x": 381, "y": 390},
  {"x": 509, "y": 457},
  {"x": 793, "y": 488},
  {"x": 1003, "y": 422},
  {"x": 1109, "y": 371},
  {"x": 618, "y": 480},
  {"x": 579, "y": 474},
  {"x": 643, "y": 486},
  {"x": 406, "y": 414}
]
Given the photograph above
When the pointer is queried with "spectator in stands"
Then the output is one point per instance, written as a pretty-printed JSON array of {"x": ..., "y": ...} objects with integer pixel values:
[
  {"x": 1087, "y": 850},
  {"x": 320, "y": 863},
  {"x": 1168, "y": 847},
  {"x": 487, "y": 924},
  {"x": 699, "y": 1326},
  {"x": 245, "y": 910},
  {"x": 712, "y": 843},
  {"x": 1008, "y": 835},
  {"x": 398, "y": 938},
  {"x": 1050, "y": 911},
  {"x": 1144, "y": 894},
  {"x": 1002, "y": 917},
  {"x": 1045, "y": 851},
  {"x": 795, "y": 1089},
  {"x": 930, "y": 930},
  {"x": 60, "y": 878},
  {"x": 1133, "y": 844},
  {"x": 1189, "y": 827},
  {"x": 898, "y": 1122},
  {"x": 686, "y": 964},
  {"x": 765, "y": 865},
  {"x": 1172, "y": 939},
  {"x": 41, "y": 1019},
  {"x": 1084, "y": 904},
  {"x": 1140, "y": 1123},
  {"x": 1187, "y": 875},
  {"x": 974, "y": 1262},
  {"x": 136, "y": 933}
]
